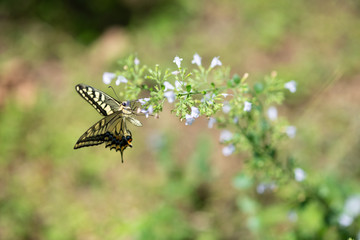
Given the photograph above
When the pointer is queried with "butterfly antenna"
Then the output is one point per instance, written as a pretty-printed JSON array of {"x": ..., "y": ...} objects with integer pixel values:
[{"x": 114, "y": 92}]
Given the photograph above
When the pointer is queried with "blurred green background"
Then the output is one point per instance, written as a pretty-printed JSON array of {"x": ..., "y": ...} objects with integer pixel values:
[{"x": 175, "y": 182}]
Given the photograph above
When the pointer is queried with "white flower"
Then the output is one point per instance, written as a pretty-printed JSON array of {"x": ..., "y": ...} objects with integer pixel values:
[
  {"x": 215, "y": 62},
  {"x": 262, "y": 187},
  {"x": 352, "y": 206},
  {"x": 178, "y": 85},
  {"x": 225, "y": 135},
  {"x": 189, "y": 119},
  {"x": 177, "y": 61},
  {"x": 170, "y": 95},
  {"x": 211, "y": 122},
  {"x": 168, "y": 86},
  {"x": 235, "y": 120},
  {"x": 136, "y": 61},
  {"x": 196, "y": 60},
  {"x": 247, "y": 106},
  {"x": 292, "y": 216},
  {"x": 195, "y": 112},
  {"x": 142, "y": 101},
  {"x": 175, "y": 72},
  {"x": 226, "y": 107},
  {"x": 228, "y": 150},
  {"x": 345, "y": 220},
  {"x": 107, "y": 77},
  {"x": 300, "y": 174},
  {"x": 225, "y": 94},
  {"x": 290, "y": 131},
  {"x": 121, "y": 79},
  {"x": 148, "y": 112},
  {"x": 272, "y": 113},
  {"x": 291, "y": 86}
]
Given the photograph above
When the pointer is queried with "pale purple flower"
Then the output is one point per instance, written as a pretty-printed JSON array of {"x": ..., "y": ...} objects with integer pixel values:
[
  {"x": 291, "y": 86},
  {"x": 292, "y": 216},
  {"x": 196, "y": 60},
  {"x": 290, "y": 131},
  {"x": 262, "y": 187},
  {"x": 168, "y": 86},
  {"x": 107, "y": 77},
  {"x": 195, "y": 112},
  {"x": 226, "y": 107},
  {"x": 136, "y": 61},
  {"x": 225, "y": 135},
  {"x": 177, "y": 61},
  {"x": 148, "y": 112},
  {"x": 345, "y": 220},
  {"x": 142, "y": 101},
  {"x": 300, "y": 175},
  {"x": 352, "y": 206},
  {"x": 121, "y": 79},
  {"x": 211, "y": 122},
  {"x": 247, "y": 106},
  {"x": 272, "y": 113},
  {"x": 170, "y": 95},
  {"x": 215, "y": 62},
  {"x": 175, "y": 72},
  {"x": 189, "y": 119},
  {"x": 228, "y": 150},
  {"x": 235, "y": 120}
]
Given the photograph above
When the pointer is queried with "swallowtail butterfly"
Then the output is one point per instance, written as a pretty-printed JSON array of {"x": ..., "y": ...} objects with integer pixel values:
[{"x": 111, "y": 129}]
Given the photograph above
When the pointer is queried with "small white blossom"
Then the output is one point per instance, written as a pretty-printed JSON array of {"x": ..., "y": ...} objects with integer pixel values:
[
  {"x": 262, "y": 187},
  {"x": 300, "y": 175},
  {"x": 247, "y": 106},
  {"x": 345, "y": 220},
  {"x": 107, "y": 77},
  {"x": 175, "y": 72},
  {"x": 225, "y": 135},
  {"x": 225, "y": 94},
  {"x": 352, "y": 206},
  {"x": 196, "y": 60},
  {"x": 228, "y": 150},
  {"x": 136, "y": 61},
  {"x": 142, "y": 101},
  {"x": 121, "y": 79},
  {"x": 290, "y": 131},
  {"x": 178, "y": 85},
  {"x": 195, "y": 112},
  {"x": 215, "y": 62},
  {"x": 148, "y": 112},
  {"x": 177, "y": 61},
  {"x": 226, "y": 107},
  {"x": 235, "y": 120},
  {"x": 168, "y": 86},
  {"x": 170, "y": 95},
  {"x": 272, "y": 113},
  {"x": 291, "y": 86},
  {"x": 189, "y": 119},
  {"x": 211, "y": 122},
  {"x": 292, "y": 216}
]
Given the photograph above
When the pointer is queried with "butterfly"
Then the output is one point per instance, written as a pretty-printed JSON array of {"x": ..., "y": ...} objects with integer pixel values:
[{"x": 111, "y": 129}]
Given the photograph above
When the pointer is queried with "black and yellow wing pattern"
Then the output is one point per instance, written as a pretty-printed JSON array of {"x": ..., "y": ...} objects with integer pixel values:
[{"x": 111, "y": 129}]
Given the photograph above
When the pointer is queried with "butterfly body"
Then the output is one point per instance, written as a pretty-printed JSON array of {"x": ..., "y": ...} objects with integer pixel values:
[{"x": 111, "y": 129}]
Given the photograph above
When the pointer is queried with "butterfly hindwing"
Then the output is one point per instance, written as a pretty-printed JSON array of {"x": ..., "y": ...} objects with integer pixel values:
[
  {"x": 110, "y": 130},
  {"x": 102, "y": 102}
]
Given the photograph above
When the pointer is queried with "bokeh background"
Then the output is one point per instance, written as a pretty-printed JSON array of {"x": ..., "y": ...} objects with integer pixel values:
[{"x": 175, "y": 182}]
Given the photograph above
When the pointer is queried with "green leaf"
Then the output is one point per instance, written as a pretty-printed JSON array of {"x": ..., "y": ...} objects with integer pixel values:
[
  {"x": 188, "y": 88},
  {"x": 258, "y": 87}
]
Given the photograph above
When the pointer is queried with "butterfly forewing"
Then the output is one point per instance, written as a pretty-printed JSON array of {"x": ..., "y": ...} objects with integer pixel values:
[{"x": 102, "y": 102}]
